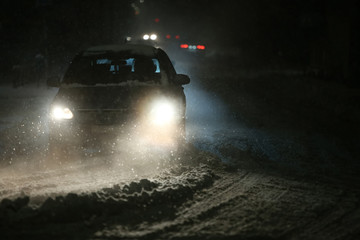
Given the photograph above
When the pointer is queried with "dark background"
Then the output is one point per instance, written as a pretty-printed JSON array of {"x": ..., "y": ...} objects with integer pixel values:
[{"x": 317, "y": 37}]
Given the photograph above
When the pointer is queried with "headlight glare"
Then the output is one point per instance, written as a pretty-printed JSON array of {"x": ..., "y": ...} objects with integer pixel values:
[
  {"x": 162, "y": 113},
  {"x": 62, "y": 113},
  {"x": 153, "y": 36}
]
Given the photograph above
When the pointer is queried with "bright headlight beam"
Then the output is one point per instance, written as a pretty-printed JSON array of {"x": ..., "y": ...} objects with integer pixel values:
[
  {"x": 146, "y": 37},
  {"x": 62, "y": 113},
  {"x": 162, "y": 113}
]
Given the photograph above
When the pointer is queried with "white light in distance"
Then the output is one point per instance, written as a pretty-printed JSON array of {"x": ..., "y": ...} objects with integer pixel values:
[
  {"x": 153, "y": 37},
  {"x": 146, "y": 37}
]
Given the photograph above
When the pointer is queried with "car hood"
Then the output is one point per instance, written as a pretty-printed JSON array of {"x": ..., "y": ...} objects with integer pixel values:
[{"x": 106, "y": 97}]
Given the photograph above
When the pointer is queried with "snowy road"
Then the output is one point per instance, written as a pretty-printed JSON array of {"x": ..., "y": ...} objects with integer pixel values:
[
  {"x": 197, "y": 201},
  {"x": 234, "y": 181}
]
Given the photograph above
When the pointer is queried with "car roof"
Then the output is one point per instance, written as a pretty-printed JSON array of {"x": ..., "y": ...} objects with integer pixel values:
[{"x": 125, "y": 49}]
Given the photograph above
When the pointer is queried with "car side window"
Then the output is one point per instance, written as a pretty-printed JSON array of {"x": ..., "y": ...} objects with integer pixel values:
[{"x": 78, "y": 71}]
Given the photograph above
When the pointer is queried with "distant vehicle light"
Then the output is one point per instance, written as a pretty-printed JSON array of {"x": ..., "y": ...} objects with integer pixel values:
[
  {"x": 153, "y": 37},
  {"x": 192, "y": 47},
  {"x": 184, "y": 45},
  {"x": 177, "y": 37},
  {"x": 157, "y": 20},
  {"x": 168, "y": 36},
  {"x": 146, "y": 37},
  {"x": 200, "y": 47}
]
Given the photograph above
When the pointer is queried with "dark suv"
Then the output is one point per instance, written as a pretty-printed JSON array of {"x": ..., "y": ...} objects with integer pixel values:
[{"x": 114, "y": 95}]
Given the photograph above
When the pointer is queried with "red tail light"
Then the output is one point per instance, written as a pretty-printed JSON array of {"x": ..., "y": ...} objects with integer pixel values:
[
  {"x": 168, "y": 36},
  {"x": 200, "y": 47},
  {"x": 184, "y": 45}
]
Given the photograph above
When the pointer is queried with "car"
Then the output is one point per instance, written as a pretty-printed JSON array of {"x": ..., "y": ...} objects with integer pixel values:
[
  {"x": 115, "y": 96},
  {"x": 192, "y": 47}
]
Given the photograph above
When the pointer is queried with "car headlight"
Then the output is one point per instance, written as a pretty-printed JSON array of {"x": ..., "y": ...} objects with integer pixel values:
[
  {"x": 61, "y": 113},
  {"x": 162, "y": 113}
]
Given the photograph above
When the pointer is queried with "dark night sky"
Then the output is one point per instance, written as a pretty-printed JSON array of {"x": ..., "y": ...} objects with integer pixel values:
[{"x": 262, "y": 30}]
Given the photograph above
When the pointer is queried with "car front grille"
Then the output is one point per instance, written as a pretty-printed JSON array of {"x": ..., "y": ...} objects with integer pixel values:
[{"x": 102, "y": 116}]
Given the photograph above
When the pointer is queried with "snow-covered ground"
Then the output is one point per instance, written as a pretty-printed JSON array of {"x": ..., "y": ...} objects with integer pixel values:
[{"x": 264, "y": 160}]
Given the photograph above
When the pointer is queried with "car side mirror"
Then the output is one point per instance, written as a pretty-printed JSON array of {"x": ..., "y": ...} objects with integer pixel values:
[
  {"x": 53, "y": 81},
  {"x": 181, "y": 79}
]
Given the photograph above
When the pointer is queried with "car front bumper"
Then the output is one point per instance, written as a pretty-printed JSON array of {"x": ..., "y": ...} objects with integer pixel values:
[{"x": 132, "y": 135}]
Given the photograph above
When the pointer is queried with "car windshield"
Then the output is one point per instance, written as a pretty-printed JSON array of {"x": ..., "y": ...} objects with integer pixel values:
[{"x": 90, "y": 70}]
